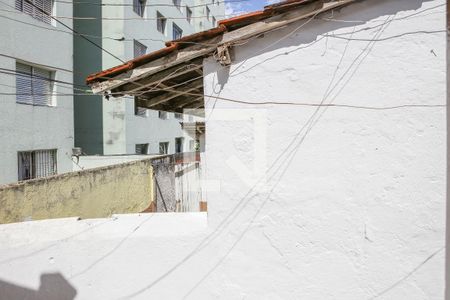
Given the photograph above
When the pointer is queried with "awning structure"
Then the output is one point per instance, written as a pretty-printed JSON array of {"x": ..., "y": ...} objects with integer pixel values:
[
  {"x": 174, "y": 89},
  {"x": 171, "y": 79}
]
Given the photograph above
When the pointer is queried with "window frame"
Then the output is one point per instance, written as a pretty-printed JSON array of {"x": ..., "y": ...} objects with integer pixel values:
[
  {"x": 161, "y": 23},
  {"x": 138, "y": 47},
  {"x": 188, "y": 14},
  {"x": 164, "y": 146},
  {"x": 163, "y": 115},
  {"x": 145, "y": 147},
  {"x": 51, "y": 162},
  {"x": 176, "y": 28},
  {"x": 140, "y": 111},
  {"x": 36, "y": 85},
  {"x": 208, "y": 13},
  {"x": 139, "y": 7},
  {"x": 177, "y": 4},
  {"x": 36, "y": 13},
  {"x": 177, "y": 144}
]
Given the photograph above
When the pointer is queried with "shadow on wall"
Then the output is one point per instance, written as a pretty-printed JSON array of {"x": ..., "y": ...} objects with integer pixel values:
[
  {"x": 53, "y": 287},
  {"x": 310, "y": 31}
]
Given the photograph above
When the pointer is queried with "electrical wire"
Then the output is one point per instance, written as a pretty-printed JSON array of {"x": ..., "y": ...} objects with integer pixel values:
[
  {"x": 122, "y": 19},
  {"x": 217, "y": 3},
  {"x": 68, "y": 27},
  {"x": 170, "y": 88},
  {"x": 118, "y": 39}
]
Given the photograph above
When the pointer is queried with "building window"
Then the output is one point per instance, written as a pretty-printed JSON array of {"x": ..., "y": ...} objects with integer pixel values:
[
  {"x": 161, "y": 23},
  {"x": 41, "y": 10},
  {"x": 139, "y": 7},
  {"x": 178, "y": 116},
  {"x": 179, "y": 144},
  {"x": 142, "y": 148},
  {"x": 188, "y": 14},
  {"x": 177, "y": 32},
  {"x": 162, "y": 115},
  {"x": 33, "y": 85},
  {"x": 194, "y": 145},
  {"x": 139, "y": 49},
  {"x": 213, "y": 21},
  {"x": 139, "y": 111},
  {"x": 197, "y": 145},
  {"x": 177, "y": 3},
  {"x": 164, "y": 148},
  {"x": 208, "y": 13},
  {"x": 35, "y": 164}
]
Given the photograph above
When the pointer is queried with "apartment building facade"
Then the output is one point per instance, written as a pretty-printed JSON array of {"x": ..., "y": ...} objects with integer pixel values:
[
  {"x": 36, "y": 90},
  {"x": 126, "y": 30}
]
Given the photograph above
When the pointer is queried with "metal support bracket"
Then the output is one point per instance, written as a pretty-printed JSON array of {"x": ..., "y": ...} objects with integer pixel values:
[{"x": 223, "y": 55}]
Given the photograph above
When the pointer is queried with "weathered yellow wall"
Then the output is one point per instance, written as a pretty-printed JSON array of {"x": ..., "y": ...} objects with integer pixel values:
[{"x": 94, "y": 193}]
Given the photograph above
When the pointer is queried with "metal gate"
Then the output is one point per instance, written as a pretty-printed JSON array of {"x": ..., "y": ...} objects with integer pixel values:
[{"x": 178, "y": 182}]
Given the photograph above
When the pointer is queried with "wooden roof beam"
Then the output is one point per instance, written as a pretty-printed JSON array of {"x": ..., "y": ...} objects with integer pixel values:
[
  {"x": 171, "y": 94},
  {"x": 157, "y": 81}
]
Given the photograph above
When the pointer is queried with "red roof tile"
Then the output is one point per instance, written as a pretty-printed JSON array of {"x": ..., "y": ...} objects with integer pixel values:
[{"x": 224, "y": 26}]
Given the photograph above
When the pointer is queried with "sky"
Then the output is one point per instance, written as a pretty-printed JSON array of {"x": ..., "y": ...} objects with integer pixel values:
[{"x": 243, "y": 6}]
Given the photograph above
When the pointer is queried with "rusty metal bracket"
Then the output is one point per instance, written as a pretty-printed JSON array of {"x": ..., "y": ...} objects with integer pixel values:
[{"x": 224, "y": 55}]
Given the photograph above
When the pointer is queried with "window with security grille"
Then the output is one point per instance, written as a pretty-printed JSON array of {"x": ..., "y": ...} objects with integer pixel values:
[
  {"x": 177, "y": 3},
  {"x": 33, "y": 85},
  {"x": 161, "y": 22},
  {"x": 139, "y": 7},
  {"x": 188, "y": 14},
  {"x": 177, "y": 32},
  {"x": 41, "y": 10},
  {"x": 164, "y": 148},
  {"x": 139, "y": 49},
  {"x": 142, "y": 148},
  {"x": 178, "y": 116},
  {"x": 36, "y": 164}
]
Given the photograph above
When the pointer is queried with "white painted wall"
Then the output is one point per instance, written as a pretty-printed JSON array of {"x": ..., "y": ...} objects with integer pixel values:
[
  {"x": 351, "y": 202},
  {"x": 26, "y": 127},
  {"x": 357, "y": 213}
]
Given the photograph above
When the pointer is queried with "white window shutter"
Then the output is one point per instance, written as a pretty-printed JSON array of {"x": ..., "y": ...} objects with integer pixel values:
[
  {"x": 24, "y": 89},
  {"x": 27, "y": 7},
  {"x": 47, "y": 8},
  {"x": 42, "y": 87},
  {"x": 19, "y": 5},
  {"x": 38, "y": 8}
]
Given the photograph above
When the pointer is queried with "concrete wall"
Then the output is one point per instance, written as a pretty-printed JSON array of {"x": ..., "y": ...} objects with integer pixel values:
[
  {"x": 342, "y": 202},
  {"x": 447, "y": 265},
  {"x": 88, "y": 59},
  {"x": 26, "y": 127},
  {"x": 110, "y": 127},
  {"x": 94, "y": 193},
  {"x": 97, "y": 161},
  {"x": 358, "y": 214}
]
